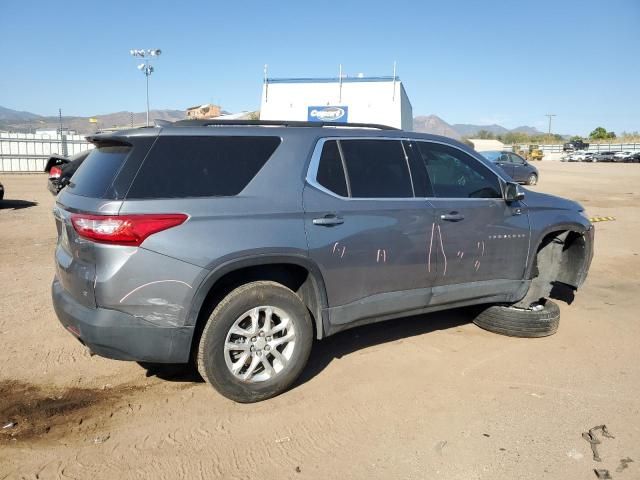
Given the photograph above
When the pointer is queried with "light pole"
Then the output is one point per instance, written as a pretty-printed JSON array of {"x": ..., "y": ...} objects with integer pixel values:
[{"x": 146, "y": 67}]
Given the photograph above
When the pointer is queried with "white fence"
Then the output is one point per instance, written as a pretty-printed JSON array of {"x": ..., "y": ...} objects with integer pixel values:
[
  {"x": 29, "y": 152},
  {"x": 594, "y": 147}
]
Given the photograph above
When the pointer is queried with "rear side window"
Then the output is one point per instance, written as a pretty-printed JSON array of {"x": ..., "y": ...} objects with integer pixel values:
[
  {"x": 330, "y": 171},
  {"x": 95, "y": 175},
  {"x": 455, "y": 174},
  {"x": 377, "y": 169},
  {"x": 201, "y": 166}
]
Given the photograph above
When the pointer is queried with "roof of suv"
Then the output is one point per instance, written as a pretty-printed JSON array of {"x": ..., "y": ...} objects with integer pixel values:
[{"x": 267, "y": 127}]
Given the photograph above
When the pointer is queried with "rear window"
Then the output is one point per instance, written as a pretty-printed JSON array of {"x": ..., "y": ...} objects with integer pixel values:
[
  {"x": 201, "y": 166},
  {"x": 95, "y": 175}
]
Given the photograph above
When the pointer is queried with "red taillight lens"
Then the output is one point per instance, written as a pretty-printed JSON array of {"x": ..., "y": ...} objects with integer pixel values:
[
  {"x": 55, "y": 172},
  {"x": 129, "y": 230}
]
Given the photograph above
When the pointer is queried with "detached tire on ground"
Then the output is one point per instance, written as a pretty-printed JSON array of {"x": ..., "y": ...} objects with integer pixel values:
[
  {"x": 516, "y": 322},
  {"x": 256, "y": 342}
]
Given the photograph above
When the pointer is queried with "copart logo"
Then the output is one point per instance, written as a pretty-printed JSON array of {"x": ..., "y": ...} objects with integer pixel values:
[{"x": 327, "y": 114}]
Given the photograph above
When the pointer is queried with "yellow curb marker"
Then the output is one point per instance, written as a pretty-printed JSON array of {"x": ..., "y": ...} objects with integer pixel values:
[{"x": 602, "y": 219}]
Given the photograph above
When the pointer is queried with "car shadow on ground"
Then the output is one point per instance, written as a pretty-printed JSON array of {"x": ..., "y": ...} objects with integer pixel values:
[
  {"x": 356, "y": 339},
  {"x": 341, "y": 344},
  {"x": 16, "y": 204}
]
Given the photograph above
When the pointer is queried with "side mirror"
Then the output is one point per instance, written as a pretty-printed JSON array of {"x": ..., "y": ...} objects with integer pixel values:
[{"x": 513, "y": 192}]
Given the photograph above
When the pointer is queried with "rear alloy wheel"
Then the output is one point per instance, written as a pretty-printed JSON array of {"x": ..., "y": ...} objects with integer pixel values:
[
  {"x": 539, "y": 321},
  {"x": 532, "y": 180},
  {"x": 256, "y": 342}
]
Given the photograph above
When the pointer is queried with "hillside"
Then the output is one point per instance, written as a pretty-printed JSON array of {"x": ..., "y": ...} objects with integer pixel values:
[
  {"x": 16, "y": 121},
  {"x": 434, "y": 125}
]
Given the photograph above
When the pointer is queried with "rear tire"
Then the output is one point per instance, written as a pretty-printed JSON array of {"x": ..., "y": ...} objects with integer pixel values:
[
  {"x": 225, "y": 357},
  {"x": 516, "y": 322}
]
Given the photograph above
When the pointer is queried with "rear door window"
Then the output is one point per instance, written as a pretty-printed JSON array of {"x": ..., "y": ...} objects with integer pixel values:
[
  {"x": 205, "y": 166},
  {"x": 95, "y": 175},
  {"x": 377, "y": 169}
]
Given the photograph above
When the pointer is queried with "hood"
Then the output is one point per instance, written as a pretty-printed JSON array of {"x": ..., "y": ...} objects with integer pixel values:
[{"x": 537, "y": 200}]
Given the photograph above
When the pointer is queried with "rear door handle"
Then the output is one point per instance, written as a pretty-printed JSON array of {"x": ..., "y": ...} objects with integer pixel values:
[
  {"x": 328, "y": 221},
  {"x": 451, "y": 217}
]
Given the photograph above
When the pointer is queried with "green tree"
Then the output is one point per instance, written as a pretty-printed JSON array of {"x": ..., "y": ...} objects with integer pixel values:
[
  {"x": 516, "y": 137},
  {"x": 576, "y": 138},
  {"x": 601, "y": 133},
  {"x": 485, "y": 135}
]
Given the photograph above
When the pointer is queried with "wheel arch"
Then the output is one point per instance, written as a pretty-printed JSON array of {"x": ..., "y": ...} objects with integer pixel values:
[
  {"x": 559, "y": 263},
  {"x": 294, "y": 271}
]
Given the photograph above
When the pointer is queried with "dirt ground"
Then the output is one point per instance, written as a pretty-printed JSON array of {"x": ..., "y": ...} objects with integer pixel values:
[{"x": 424, "y": 397}]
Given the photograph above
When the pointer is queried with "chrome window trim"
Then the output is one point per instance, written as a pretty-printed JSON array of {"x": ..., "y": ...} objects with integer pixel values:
[{"x": 312, "y": 171}]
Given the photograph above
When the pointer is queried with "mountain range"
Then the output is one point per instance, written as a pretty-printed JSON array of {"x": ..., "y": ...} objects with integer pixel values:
[
  {"x": 437, "y": 126},
  {"x": 19, "y": 121}
]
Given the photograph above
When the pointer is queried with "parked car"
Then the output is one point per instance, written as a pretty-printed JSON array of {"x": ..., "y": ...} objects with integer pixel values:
[
  {"x": 1, "y": 191},
  {"x": 579, "y": 156},
  {"x": 603, "y": 157},
  {"x": 514, "y": 165},
  {"x": 634, "y": 158},
  {"x": 61, "y": 169},
  {"x": 622, "y": 156},
  {"x": 270, "y": 234},
  {"x": 575, "y": 145}
]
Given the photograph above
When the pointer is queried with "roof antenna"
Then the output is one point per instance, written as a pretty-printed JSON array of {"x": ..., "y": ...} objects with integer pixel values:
[{"x": 393, "y": 98}]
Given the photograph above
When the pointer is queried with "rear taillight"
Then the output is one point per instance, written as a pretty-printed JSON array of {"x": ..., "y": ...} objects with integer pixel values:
[
  {"x": 55, "y": 172},
  {"x": 129, "y": 230}
]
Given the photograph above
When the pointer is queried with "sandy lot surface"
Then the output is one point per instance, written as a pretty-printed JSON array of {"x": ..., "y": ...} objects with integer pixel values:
[{"x": 424, "y": 397}]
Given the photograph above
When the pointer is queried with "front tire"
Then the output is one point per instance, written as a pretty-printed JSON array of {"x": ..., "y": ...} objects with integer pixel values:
[
  {"x": 532, "y": 180},
  {"x": 517, "y": 322},
  {"x": 256, "y": 342}
]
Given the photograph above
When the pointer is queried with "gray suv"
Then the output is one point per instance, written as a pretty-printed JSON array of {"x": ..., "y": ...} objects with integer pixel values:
[{"x": 235, "y": 244}]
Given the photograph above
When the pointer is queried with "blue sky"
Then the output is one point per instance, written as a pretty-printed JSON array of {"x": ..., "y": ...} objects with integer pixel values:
[{"x": 506, "y": 62}]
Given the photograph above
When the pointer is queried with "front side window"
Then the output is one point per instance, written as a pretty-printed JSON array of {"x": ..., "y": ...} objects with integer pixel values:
[
  {"x": 516, "y": 159},
  {"x": 377, "y": 169},
  {"x": 456, "y": 174}
]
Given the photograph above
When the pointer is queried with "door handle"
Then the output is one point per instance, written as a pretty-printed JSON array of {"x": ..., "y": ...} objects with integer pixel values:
[
  {"x": 451, "y": 217},
  {"x": 328, "y": 221}
]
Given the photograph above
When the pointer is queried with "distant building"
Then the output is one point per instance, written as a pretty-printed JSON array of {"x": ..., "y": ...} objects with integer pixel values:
[
  {"x": 360, "y": 99},
  {"x": 482, "y": 145},
  {"x": 203, "y": 112}
]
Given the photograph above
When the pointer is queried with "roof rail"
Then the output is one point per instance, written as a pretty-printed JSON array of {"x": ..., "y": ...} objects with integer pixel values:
[{"x": 278, "y": 123}]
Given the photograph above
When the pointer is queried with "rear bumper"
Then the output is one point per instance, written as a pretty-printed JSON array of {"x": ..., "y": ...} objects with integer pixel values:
[{"x": 120, "y": 336}]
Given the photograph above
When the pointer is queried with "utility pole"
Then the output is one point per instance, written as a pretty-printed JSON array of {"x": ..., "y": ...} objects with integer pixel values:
[
  {"x": 550, "y": 115},
  {"x": 63, "y": 140}
]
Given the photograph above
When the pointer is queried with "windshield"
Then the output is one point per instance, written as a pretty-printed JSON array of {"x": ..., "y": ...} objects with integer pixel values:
[{"x": 492, "y": 156}]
